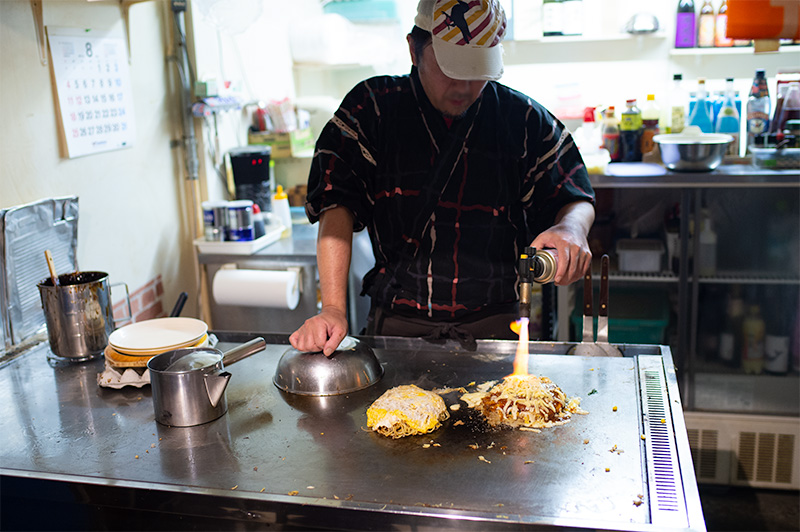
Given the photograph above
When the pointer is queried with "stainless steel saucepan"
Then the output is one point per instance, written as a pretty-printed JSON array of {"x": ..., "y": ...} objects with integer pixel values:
[{"x": 189, "y": 384}]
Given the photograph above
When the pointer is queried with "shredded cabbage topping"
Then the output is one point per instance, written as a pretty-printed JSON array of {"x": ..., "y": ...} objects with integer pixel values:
[
  {"x": 406, "y": 410},
  {"x": 524, "y": 401}
]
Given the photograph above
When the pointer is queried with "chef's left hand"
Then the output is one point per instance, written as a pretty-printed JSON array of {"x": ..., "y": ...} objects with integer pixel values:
[{"x": 568, "y": 236}]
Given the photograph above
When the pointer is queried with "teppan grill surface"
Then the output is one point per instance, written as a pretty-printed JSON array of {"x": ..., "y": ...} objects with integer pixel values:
[{"x": 299, "y": 462}]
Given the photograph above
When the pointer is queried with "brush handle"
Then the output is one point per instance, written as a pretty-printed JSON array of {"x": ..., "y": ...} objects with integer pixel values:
[{"x": 51, "y": 266}]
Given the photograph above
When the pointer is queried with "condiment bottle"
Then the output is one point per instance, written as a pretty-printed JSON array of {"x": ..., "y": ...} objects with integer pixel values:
[
  {"x": 721, "y": 27},
  {"x": 685, "y": 24},
  {"x": 281, "y": 210},
  {"x": 650, "y": 116},
  {"x": 730, "y": 339},
  {"x": 678, "y": 101},
  {"x": 705, "y": 25},
  {"x": 630, "y": 132},
  {"x": 753, "y": 332},
  {"x": 758, "y": 108},
  {"x": 610, "y": 134}
]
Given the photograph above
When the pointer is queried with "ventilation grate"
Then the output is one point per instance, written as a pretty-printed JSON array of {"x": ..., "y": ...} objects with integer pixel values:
[
  {"x": 704, "y": 446},
  {"x": 664, "y": 481},
  {"x": 765, "y": 457}
]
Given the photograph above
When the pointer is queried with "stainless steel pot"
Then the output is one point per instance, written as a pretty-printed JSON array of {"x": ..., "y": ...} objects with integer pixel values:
[
  {"x": 189, "y": 384},
  {"x": 78, "y": 313}
]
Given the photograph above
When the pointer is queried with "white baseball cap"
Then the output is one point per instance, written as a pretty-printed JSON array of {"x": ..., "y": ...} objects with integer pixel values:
[{"x": 466, "y": 36}]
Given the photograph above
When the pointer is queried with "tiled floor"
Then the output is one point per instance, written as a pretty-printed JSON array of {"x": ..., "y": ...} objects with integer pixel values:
[{"x": 736, "y": 508}]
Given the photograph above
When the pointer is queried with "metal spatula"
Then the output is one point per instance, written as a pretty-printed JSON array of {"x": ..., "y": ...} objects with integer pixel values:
[
  {"x": 602, "y": 313},
  {"x": 588, "y": 347}
]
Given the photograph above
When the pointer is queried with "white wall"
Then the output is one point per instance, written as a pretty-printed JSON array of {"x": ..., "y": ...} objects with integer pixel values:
[{"x": 132, "y": 215}]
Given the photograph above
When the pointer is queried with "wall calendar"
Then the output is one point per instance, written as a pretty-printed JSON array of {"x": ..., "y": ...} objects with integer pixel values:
[{"x": 93, "y": 84}]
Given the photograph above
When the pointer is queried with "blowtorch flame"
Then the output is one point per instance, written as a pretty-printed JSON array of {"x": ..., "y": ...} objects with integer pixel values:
[{"x": 521, "y": 359}]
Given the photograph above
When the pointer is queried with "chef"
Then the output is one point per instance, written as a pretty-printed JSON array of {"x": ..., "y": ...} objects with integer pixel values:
[{"x": 452, "y": 174}]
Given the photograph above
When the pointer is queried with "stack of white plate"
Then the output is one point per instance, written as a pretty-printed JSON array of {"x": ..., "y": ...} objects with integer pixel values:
[{"x": 151, "y": 337}]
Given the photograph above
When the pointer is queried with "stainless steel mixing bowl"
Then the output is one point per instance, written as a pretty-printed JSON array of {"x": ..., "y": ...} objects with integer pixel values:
[
  {"x": 353, "y": 366},
  {"x": 692, "y": 152}
]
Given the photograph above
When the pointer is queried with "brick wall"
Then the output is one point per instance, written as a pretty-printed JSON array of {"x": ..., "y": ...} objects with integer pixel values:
[{"x": 146, "y": 303}]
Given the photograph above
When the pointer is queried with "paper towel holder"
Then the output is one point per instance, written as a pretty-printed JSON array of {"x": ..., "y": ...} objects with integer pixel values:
[{"x": 297, "y": 269}]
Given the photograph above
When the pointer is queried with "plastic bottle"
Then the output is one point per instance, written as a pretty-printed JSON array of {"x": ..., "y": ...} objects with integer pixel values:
[
  {"x": 758, "y": 108},
  {"x": 705, "y": 25},
  {"x": 721, "y": 27},
  {"x": 630, "y": 132},
  {"x": 777, "y": 338},
  {"x": 280, "y": 208},
  {"x": 753, "y": 333},
  {"x": 685, "y": 24},
  {"x": 784, "y": 77},
  {"x": 700, "y": 114},
  {"x": 650, "y": 115},
  {"x": 707, "y": 261},
  {"x": 572, "y": 13},
  {"x": 588, "y": 136},
  {"x": 610, "y": 134},
  {"x": 259, "y": 228},
  {"x": 728, "y": 118},
  {"x": 730, "y": 339},
  {"x": 677, "y": 101}
]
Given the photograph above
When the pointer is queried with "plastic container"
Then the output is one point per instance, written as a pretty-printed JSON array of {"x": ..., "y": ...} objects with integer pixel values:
[
  {"x": 639, "y": 317},
  {"x": 776, "y": 159},
  {"x": 639, "y": 255}
]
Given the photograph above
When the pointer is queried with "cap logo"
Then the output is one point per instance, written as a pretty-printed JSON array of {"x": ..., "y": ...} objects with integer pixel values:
[{"x": 468, "y": 23}]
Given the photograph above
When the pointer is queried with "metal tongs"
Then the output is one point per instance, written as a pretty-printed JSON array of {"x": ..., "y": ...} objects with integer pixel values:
[{"x": 589, "y": 346}]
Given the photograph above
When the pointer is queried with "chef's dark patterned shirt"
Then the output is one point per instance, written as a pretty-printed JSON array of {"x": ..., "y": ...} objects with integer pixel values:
[{"x": 448, "y": 209}]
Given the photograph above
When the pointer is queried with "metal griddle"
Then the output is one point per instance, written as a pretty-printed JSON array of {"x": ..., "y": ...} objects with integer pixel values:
[{"x": 310, "y": 461}]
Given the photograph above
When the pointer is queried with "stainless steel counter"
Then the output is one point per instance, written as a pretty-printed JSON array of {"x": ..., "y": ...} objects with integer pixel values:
[{"x": 293, "y": 461}]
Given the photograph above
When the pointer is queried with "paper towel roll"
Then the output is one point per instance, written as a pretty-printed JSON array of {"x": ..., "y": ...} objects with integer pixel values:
[{"x": 257, "y": 288}]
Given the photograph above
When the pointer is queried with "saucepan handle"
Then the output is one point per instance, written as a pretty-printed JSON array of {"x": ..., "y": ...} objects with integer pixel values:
[{"x": 243, "y": 351}]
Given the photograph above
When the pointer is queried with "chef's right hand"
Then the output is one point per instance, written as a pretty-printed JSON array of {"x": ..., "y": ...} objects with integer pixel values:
[{"x": 323, "y": 332}]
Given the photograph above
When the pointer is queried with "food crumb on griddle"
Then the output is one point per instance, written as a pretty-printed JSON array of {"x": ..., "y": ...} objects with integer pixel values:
[
  {"x": 293, "y": 493},
  {"x": 614, "y": 408},
  {"x": 528, "y": 462},
  {"x": 644, "y": 437},
  {"x": 608, "y": 469},
  {"x": 262, "y": 490},
  {"x": 236, "y": 486},
  {"x": 594, "y": 391},
  {"x": 455, "y": 408},
  {"x": 587, "y": 439},
  {"x": 457, "y": 423},
  {"x": 639, "y": 500},
  {"x": 483, "y": 459}
]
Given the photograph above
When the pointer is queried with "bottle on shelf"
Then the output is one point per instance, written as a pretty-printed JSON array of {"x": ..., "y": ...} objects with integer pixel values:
[
  {"x": 700, "y": 114},
  {"x": 282, "y": 211},
  {"x": 728, "y": 118},
  {"x": 730, "y": 339},
  {"x": 705, "y": 25},
  {"x": 778, "y": 333},
  {"x": 677, "y": 104},
  {"x": 758, "y": 108},
  {"x": 784, "y": 77},
  {"x": 610, "y": 134},
  {"x": 790, "y": 108},
  {"x": 685, "y": 25},
  {"x": 753, "y": 332},
  {"x": 721, "y": 39},
  {"x": 707, "y": 261},
  {"x": 650, "y": 116},
  {"x": 588, "y": 135},
  {"x": 630, "y": 132}
]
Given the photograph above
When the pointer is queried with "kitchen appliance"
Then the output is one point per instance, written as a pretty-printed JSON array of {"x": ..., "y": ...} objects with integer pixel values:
[
  {"x": 352, "y": 367},
  {"x": 78, "y": 313},
  {"x": 189, "y": 384},
  {"x": 306, "y": 462},
  {"x": 251, "y": 175}
]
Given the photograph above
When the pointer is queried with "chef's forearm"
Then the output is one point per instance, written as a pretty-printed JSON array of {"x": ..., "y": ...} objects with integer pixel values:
[
  {"x": 578, "y": 216},
  {"x": 334, "y": 248}
]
